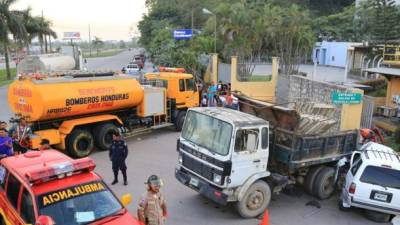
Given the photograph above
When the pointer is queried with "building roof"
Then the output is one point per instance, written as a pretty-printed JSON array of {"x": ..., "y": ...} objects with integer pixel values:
[
  {"x": 384, "y": 71},
  {"x": 231, "y": 116}
]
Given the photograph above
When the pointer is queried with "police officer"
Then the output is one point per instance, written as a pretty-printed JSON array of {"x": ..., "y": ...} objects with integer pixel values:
[
  {"x": 118, "y": 154},
  {"x": 152, "y": 209}
]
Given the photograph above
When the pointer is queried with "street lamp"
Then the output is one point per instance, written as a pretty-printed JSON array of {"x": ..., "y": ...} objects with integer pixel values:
[{"x": 206, "y": 11}]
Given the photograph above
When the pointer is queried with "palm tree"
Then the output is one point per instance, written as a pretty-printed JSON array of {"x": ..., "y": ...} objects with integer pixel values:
[
  {"x": 11, "y": 22},
  {"x": 32, "y": 27}
]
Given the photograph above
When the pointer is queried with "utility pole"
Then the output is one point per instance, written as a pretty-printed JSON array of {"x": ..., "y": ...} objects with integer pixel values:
[
  {"x": 90, "y": 43},
  {"x": 192, "y": 20}
]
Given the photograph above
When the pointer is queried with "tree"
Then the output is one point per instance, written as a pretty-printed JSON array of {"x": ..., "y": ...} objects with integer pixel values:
[
  {"x": 380, "y": 19},
  {"x": 97, "y": 43},
  {"x": 11, "y": 22}
]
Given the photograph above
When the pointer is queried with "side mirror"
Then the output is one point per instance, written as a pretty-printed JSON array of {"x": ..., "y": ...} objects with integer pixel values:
[
  {"x": 45, "y": 220},
  {"x": 126, "y": 199}
]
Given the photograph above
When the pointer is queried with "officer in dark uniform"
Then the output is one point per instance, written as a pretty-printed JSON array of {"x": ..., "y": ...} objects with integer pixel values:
[{"x": 118, "y": 154}]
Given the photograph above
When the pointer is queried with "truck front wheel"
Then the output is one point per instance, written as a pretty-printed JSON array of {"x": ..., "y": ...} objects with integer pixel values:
[
  {"x": 180, "y": 119},
  {"x": 103, "y": 135},
  {"x": 80, "y": 143},
  {"x": 255, "y": 201},
  {"x": 324, "y": 185}
]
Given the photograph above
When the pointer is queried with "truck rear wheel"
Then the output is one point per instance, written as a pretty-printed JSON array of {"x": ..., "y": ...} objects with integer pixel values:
[
  {"x": 103, "y": 134},
  {"x": 310, "y": 179},
  {"x": 255, "y": 201},
  {"x": 80, "y": 143},
  {"x": 180, "y": 119},
  {"x": 324, "y": 185}
]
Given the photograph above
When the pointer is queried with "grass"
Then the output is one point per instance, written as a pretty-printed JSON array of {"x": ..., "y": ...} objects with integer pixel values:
[
  {"x": 260, "y": 78},
  {"x": 102, "y": 53},
  {"x": 3, "y": 76}
]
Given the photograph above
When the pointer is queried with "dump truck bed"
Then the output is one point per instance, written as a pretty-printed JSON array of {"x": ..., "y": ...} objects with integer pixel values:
[{"x": 290, "y": 152}]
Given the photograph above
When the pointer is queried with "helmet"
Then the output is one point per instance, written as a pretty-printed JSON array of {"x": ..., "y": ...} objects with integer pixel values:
[
  {"x": 365, "y": 133},
  {"x": 154, "y": 180}
]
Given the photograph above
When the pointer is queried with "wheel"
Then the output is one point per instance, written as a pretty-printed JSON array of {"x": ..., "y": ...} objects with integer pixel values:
[
  {"x": 324, "y": 184},
  {"x": 377, "y": 216},
  {"x": 103, "y": 134},
  {"x": 180, "y": 119},
  {"x": 255, "y": 201},
  {"x": 310, "y": 178},
  {"x": 80, "y": 143}
]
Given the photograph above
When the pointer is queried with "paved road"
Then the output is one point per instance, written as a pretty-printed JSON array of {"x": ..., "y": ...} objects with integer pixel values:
[
  {"x": 155, "y": 154},
  {"x": 5, "y": 112},
  {"x": 111, "y": 63}
]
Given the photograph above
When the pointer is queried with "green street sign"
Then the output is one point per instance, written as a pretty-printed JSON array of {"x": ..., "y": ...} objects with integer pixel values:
[{"x": 346, "y": 98}]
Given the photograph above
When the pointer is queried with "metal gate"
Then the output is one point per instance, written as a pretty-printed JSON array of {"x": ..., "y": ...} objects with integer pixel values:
[{"x": 367, "y": 112}]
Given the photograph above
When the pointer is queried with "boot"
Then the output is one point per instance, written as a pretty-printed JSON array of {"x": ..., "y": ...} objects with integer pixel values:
[
  {"x": 125, "y": 177},
  {"x": 115, "y": 177}
]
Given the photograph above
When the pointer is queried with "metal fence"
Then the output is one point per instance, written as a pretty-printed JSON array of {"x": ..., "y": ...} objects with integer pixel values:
[{"x": 367, "y": 112}]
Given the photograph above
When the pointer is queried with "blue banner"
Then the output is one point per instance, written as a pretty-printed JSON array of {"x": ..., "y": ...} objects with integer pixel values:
[{"x": 183, "y": 34}]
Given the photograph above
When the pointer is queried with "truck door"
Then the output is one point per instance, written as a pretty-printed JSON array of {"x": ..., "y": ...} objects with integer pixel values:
[
  {"x": 13, "y": 188},
  {"x": 250, "y": 154},
  {"x": 191, "y": 95}
]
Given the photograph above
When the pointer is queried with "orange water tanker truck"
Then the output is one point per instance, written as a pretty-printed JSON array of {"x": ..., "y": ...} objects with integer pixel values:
[{"x": 79, "y": 112}]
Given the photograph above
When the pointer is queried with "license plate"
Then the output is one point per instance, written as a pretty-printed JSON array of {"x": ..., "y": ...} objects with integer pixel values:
[
  {"x": 194, "y": 182},
  {"x": 380, "y": 197}
]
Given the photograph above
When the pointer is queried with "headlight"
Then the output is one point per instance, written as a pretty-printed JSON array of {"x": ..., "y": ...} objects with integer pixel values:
[
  {"x": 217, "y": 178},
  {"x": 180, "y": 159}
]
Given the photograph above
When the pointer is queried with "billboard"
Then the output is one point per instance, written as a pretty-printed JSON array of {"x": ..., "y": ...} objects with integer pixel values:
[{"x": 72, "y": 35}]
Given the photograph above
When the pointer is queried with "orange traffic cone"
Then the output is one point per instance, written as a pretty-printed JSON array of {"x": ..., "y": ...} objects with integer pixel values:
[{"x": 265, "y": 220}]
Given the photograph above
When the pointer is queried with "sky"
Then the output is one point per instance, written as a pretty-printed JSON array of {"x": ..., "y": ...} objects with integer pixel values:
[{"x": 109, "y": 20}]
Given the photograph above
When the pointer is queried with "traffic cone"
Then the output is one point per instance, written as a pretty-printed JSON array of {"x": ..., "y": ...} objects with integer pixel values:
[{"x": 265, "y": 220}]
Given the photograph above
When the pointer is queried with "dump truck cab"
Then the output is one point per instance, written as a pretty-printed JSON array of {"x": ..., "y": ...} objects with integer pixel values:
[
  {"x": 223, "y": 155},
  {"x": 180, "y": 86}
]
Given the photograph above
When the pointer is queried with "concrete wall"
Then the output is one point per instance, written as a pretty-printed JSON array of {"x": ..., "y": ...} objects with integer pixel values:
[
  {"x": 393, "y": 89},
  {"x": 306, "y": 90}
]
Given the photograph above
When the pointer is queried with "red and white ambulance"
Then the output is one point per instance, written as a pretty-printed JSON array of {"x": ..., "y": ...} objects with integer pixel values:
[{"x": 50, "y": 186}]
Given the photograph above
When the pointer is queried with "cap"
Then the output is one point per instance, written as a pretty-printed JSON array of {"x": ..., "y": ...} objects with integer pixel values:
[
  {"x": 154, "y": 180},
  {"x": 45, "y": 142}
]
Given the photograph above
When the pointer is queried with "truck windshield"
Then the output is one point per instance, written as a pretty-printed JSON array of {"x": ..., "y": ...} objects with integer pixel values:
[
  {"x": 381, "y": 176},
  {"x": 81, "y": 204},
  {"x": 207, "y": 132}
]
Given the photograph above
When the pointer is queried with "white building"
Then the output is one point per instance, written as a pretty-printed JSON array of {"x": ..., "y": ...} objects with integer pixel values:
[{"x": 333, "y": 53}]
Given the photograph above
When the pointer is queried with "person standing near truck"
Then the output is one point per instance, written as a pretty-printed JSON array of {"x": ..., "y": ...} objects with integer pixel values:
[
  {"x": 152, "y": 209},
  {"x": 6, "y": 147},
  {"x": 118, "y": 154},
  {"x": 20, "y": 134}
]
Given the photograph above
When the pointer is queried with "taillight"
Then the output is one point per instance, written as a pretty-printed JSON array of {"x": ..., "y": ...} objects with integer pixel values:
[{"x": 352, "y": 188}]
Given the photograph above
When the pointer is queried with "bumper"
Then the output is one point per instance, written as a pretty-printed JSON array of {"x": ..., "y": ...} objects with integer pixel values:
[
  {"x": 348, "y": 201},
  {"x": 201, "y": 187}
]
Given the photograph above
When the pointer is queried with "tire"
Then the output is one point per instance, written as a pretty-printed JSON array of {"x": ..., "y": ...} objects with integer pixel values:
[
  {"x": 324, "y": 185},
  {"x": 377, "y": 217},
  {"x": 310, "y": 179},
  {"x": 180, "y": 119},
  {"x": 259, "y": 196},
  {"x": 103, "y": 135},
  {"x": 80, "y": 143}
]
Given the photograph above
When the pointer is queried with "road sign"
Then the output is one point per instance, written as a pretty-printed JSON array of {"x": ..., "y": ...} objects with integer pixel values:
[
  {"x": 72, "y": 35},
  {"x": 346, "y": 98},
  {"x": 183, "y": 34}
]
